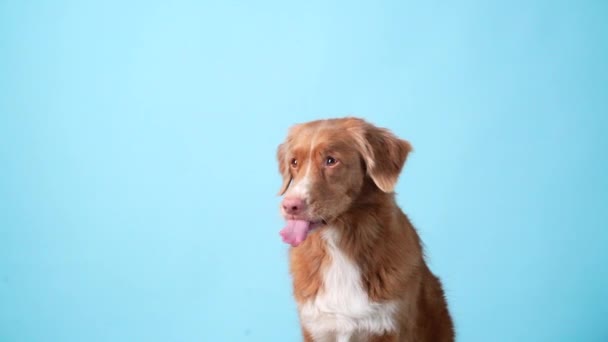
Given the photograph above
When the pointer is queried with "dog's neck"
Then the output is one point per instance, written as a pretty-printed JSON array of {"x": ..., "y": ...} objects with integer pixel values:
[
  {"x": 371, "y": 198},
  {"x": 367, "y": 215}
]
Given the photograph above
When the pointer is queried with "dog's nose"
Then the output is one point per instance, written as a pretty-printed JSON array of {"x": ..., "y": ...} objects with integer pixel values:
[{"x": 293, "y": 205}]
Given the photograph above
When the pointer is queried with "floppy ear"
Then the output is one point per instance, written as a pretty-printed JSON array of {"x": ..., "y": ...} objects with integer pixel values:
[
  {"x": 383, "y": 153},
  {"x": 283, "y": 168}
]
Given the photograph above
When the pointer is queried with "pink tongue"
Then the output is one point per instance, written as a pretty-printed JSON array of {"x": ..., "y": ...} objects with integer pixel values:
[{"x": 295, "y": 232}]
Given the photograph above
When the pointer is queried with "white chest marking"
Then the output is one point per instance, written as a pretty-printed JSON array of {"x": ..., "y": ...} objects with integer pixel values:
[{"x": 342, "y": 311}]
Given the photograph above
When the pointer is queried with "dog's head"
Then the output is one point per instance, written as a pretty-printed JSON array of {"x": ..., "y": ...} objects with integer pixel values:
[{"x": 325, "y": 165}]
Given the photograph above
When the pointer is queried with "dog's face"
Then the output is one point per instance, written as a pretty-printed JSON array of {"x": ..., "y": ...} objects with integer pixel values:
[{"x": 325, "y": 164}]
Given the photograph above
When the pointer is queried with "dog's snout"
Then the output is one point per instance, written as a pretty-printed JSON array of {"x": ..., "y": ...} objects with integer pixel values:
[{"x": 293, "y": 205}]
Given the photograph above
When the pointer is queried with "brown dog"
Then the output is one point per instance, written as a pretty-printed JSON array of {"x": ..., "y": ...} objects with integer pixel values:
[{"x": 357, "y": 263}]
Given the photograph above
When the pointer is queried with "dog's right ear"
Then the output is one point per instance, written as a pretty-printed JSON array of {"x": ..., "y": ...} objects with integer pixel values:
[
  {"x": 388, "y": 154},
  {"x": 383, "y": 153},
  {"x": 283, "y": 167}
]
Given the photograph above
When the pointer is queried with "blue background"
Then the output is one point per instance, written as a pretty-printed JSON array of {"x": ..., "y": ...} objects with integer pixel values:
[{"x": 138, "y": 173}]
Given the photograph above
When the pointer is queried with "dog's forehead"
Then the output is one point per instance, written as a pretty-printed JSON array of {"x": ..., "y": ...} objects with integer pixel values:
[{"x": 318, "y": 135}]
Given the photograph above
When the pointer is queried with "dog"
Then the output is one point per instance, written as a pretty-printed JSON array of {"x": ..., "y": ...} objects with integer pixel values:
[{"x": 356, "y": 261}]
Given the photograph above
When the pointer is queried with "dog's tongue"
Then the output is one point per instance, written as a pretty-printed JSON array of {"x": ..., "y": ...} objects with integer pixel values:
[{"x": 295, "y": 232}]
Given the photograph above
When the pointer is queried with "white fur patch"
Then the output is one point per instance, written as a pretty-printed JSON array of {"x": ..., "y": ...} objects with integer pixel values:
[
  {"x": 302, "y": 188},
  {"x": 342, "y": 311}
]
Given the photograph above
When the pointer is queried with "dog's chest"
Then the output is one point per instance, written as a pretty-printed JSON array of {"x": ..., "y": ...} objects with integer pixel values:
[{"x": 342, "y": 311}]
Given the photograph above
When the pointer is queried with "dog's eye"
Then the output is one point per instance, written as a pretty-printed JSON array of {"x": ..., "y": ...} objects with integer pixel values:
[
  {"x": 294, "y": 162},
  {"x": 330, "y": 161}
]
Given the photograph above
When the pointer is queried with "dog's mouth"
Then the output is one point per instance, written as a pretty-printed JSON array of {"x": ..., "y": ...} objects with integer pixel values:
[{"x": 296, "y": 230}]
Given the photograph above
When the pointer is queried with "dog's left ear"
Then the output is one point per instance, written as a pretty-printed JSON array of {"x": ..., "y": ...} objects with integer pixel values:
[
  {"x": 283, "y": 167},
  {"x": 384, "y": 155}
]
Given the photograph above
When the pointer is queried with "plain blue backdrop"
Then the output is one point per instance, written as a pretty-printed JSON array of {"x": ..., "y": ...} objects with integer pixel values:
[{"x": 137, "y": 159}]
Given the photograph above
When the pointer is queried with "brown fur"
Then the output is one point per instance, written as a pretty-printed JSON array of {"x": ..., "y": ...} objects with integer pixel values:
[{"x": 356, "y": 196}]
